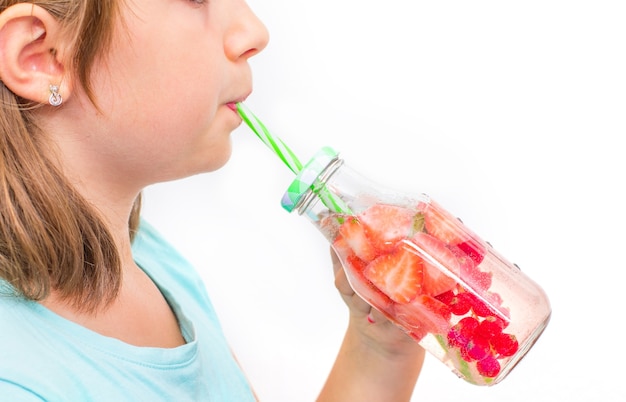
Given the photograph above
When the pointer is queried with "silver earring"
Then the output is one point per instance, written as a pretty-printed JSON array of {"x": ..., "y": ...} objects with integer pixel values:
[{"x": 55, "y": 98}]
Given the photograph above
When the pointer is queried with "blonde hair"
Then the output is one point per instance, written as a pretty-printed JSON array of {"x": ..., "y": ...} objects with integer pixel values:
[{"x": 50, "y": 236}]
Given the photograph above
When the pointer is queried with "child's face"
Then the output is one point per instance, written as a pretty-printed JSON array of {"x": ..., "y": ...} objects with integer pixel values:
[{"x": 174, "y": 68}]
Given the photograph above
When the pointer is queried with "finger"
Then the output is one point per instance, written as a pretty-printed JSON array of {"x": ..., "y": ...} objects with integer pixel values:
[
  {"x": 342, "y": 284},
  {"x": 370, "y": 317},
  {"x": 341, "y": 281},
  {"x": 376, "y": 316},
  {"x": 335, "y": 260}
]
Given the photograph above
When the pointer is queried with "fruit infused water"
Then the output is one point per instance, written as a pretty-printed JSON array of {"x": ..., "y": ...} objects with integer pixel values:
[
  {"x": 420, "y": 266},
  {"x": 424, "y": 270}
]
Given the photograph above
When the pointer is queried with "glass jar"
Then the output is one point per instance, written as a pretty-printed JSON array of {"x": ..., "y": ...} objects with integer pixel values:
[{"x": 423, "y": 269}]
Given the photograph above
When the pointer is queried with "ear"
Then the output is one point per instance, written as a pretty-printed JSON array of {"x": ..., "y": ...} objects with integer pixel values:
[{"x": 32, "y": 53}]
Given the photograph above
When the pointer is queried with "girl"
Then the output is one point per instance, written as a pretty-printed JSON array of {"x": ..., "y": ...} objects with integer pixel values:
[{"x": 101, "y": 98}]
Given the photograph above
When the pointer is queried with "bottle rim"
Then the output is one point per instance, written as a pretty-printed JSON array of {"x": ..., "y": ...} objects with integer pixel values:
[{"x": 306, "y": 178}]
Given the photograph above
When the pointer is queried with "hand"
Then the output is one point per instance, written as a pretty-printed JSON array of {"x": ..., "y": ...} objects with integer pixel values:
[
  {"x": 375, "y": 328},
  {"x": 377, "y": 361}
]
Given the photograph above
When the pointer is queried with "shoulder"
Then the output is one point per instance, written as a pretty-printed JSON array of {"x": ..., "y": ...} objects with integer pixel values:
[
  {"x": 19, "y": 319},
  {"x": 26, "y": 342}
]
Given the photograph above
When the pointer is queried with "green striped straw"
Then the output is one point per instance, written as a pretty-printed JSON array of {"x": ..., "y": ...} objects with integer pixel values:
[
  {"x": 289, "y": 158},
  {"x": 275, "y": 144}
]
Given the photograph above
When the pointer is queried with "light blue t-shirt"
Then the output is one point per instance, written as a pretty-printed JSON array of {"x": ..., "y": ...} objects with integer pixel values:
[{"x": 44, "y": 357}]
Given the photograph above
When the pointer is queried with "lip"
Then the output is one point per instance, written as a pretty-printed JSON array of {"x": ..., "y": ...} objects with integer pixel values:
[{"x": 232, "y": 105}]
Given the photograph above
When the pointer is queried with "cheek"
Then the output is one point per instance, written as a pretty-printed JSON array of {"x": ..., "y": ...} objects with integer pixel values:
[
  {"x": 173, "y": 112},
  {"x": 181, "y": 106},
  {"x": 170, "y": 83},
  {"x": 195, "y": 143},
  {"x": 167, "y": 77}
]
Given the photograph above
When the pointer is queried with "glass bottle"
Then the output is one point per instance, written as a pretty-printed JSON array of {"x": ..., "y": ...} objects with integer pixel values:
[{"x": 423, "y": 269}]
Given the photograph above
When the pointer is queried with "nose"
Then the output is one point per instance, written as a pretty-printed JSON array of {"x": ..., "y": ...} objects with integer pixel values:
[{"x": 247, "y": 35}]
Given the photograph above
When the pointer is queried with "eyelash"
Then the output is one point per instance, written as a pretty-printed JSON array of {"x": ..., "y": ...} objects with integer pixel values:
[{"x": 198, "y": 2}]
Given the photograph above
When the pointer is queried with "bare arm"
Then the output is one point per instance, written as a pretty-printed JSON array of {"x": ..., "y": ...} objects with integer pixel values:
[{"x": 376, "y": 361}]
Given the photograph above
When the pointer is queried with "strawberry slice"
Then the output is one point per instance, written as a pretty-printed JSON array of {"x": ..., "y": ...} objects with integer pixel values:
[
  {"x": 439, "y": 264},
  {"x": 354, "y": 267},
  {"x": 385, "y": 225},
  {"x": 329, "y": 224},
  {"x": 424, "y": 315},
  {"x": 398, "y": 274},
  {"x": 353, "y": 233},
  {"x": 442, "y": 225}
]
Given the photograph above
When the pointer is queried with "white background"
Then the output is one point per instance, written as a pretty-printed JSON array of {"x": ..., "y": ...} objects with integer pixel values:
[{"x": 510, "y": 114}]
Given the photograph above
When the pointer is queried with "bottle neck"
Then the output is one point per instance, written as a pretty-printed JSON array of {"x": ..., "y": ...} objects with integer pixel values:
[{"x": 320, "y": 191}]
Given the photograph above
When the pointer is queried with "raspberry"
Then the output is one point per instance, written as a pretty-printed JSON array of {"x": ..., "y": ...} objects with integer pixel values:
[
  {"x": 478, "y": 306},
  {"x": 488, "y": 367},
  {"x": 489, "y": 327},
  {"x": 473, "y": 250},
  {"x": 461, "y": 333},
  {"x": 477, "y": 348},
  {"x": 460, "y": 304},
  {"x": 505, "y": 345}
]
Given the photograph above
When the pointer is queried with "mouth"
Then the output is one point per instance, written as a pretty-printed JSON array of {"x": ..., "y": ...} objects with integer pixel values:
[{"x": 232, "y": 105}]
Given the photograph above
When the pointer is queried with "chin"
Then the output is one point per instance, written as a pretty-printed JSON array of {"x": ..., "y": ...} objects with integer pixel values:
[{"x": 218, "y": 159}]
